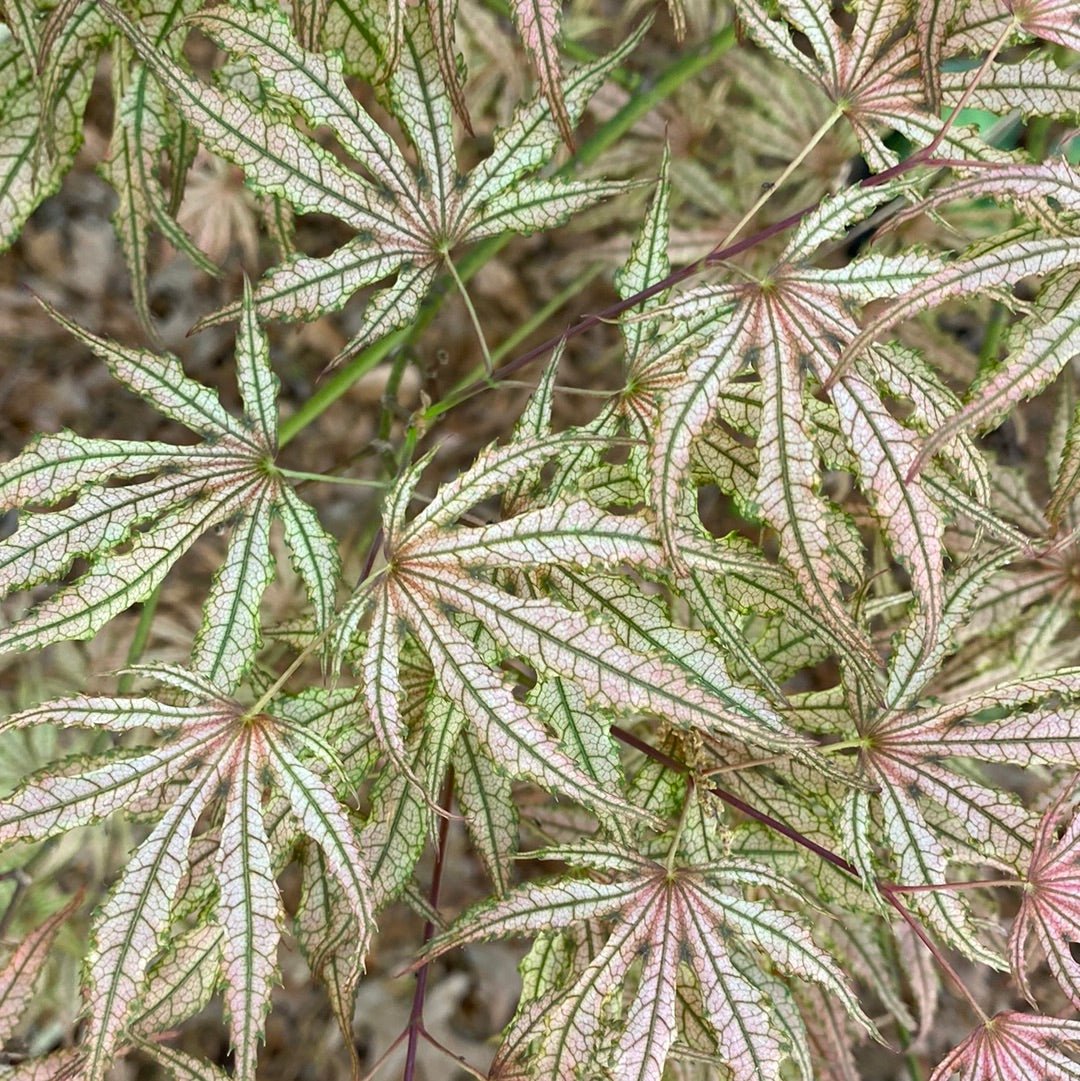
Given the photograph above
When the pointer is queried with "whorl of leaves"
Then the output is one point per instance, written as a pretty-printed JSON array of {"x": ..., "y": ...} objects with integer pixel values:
[{"x": 773, "y": 765}]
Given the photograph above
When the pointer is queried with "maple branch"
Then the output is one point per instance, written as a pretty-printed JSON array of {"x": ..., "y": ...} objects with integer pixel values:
[
  {"x": 378, "y": 1064},
  {"x": 415, "y": 1027},
  {"x": 942, "y": 961}
]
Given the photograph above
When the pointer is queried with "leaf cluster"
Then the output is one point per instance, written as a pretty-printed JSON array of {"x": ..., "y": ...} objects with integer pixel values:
[{"x": 789, "y": 765}]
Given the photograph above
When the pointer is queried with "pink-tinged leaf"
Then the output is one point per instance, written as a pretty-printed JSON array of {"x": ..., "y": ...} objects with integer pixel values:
[
  {"x": 54, "y": 804},
  {"x": 323, "y": 934},
  {"x": 65, "y": 1065},
  {"x": 669, "y": 918},
  {"x": 249, "y": 905},
  {"x": 407, "y": 217},
  {"x": 538, "y": 23},
  {"x": 933, "y": 25},
  {"x": 1048, "y": 341},
  {"x": 873, "y": 75},
  {"x": 485, "y": 796},
  {"x": 993, "y": 269},
  {"x": 116, "y": 715},
  {"x": 132, "y": 534},
  {"x": 1051, "y": 900},
  {"x": 231, "y": 634},
  {"x": 509, "y": 730},
  {"x": 1035, "y": 86},
  {"x": 1052, "y": 20},
  {"x": 53, "y": 466},
  {"x": 159, "y": 379},
  {"x": 382, "y": 686},
  {"x": 180, "y": 1065},
  {"x": 22, "y": 969},
  {"x": 181, "y": 983},
  {"x": 912, "y": 520},
  {"x": 566, "y": 643},
  {"x": 1014, "y": 1047},
  {"x": 438, "y": 567},
  {"x": 205, "y": 754},
  {"x": 128, "y": 926},
  {"x": 326, "y": 820},
  {"x": 494, "y": 468},
  {"x": 441, "y": 15}
]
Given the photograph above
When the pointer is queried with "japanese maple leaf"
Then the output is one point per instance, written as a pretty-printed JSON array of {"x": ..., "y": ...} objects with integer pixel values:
[
  {"x": 42, "y": 127},
  {"x": 788, "y": 326},
  {"x": 873, "y": 74},
  {"x": 407, "y": 219},
  {"x": 680, "y": 921},
  {"x": 982, "y": 21},
  {"x": 539, "y": 24},
  {"x": 1051, "y": 899},
  {"x": 136, "y": 531},
  {"x": 211, "y": 752},
  {"x": 1015, "y": 1047},
  {"x": 439, "y": 572},
  {"x": 1029, "y": 603},
  {"x": 932, "y": 813}
]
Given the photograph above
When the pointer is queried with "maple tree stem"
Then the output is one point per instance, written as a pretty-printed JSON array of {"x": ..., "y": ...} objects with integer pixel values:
[
  {"x": 415, "y": 1026},
  {"x": 792, "y": 165},
  {"x": 489, "y": 364},
  {"x": 382, "y": 1059},
  {"x": 842, "y": 745},
  {"x": 325, "y": 478},
  {"x": 932, "y": 887},
  {"x": 269, "y": 694},
  {"x": 941, "y": 960}
]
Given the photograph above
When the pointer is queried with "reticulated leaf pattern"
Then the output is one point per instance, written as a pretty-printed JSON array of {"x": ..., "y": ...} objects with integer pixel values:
[{"x": 761, "y": 651}]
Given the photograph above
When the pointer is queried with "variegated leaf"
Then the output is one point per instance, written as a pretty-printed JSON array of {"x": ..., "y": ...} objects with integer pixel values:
[{"x": 135, "y": 532}]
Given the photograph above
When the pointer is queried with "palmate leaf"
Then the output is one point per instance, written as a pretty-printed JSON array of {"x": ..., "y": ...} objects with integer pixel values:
[
  {"x": 676, "y": 920},
  {"x": 439, "y": 572},
  {"x": 145, "y": 128},
  {"x": 789, "y": 328},
  {"x": 539, "y": 24},
  {"x": 1015, "y": 1047},
  {"x": 1051, "y": 900},
  {"x": 933, "y": 813},
  {"x": 42, "y": 123},
  {"x": 135, "y": 532},
  {"x": 871, "y": 73},
  {"x": 407, "y": 219},
  {"x": 209, "y": 752},
  {"x": 30, "y": 168},
  {"x": 982, "y": 21}
]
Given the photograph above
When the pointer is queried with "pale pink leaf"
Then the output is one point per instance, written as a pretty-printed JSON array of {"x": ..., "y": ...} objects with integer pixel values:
[{"x": 22, "y": 969}]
